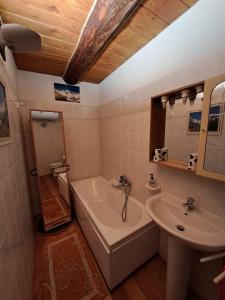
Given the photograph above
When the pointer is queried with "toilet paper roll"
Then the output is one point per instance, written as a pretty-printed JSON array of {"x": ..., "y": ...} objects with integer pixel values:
[
  {"x": 193, "y": 158},
  {"x": 164, "y": 154},
  {"x": 158, "y": 155}
]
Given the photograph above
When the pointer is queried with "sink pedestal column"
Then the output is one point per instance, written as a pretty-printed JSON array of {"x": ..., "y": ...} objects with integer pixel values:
[{"x": 178, "y": 270}]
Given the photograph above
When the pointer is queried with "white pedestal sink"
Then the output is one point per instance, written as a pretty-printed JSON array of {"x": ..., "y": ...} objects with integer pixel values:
[{"x": 199, "y": 229}]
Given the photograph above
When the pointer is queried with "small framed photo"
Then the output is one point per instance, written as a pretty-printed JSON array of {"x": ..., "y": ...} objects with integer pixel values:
[
  {"x": 194, "y": 122},
  {"x": 5, "y": 132},
  {"x": 66, "y": 92},
  {"x": 214, "y": 124}
]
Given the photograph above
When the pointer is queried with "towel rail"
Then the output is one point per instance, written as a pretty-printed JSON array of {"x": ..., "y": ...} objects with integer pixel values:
[
  {"x": 221, "y": 276},
  {"x": 212, "y": 257}
]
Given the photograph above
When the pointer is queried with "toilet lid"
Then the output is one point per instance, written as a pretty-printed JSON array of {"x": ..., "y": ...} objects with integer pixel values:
[{"x": 56, "y": 164}]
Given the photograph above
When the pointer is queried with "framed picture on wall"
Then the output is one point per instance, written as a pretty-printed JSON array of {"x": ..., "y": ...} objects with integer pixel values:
[
  {"x": 68, "y": 93},
  {"x": 194, "y": 122},
  {"x": 5, "y": 133},
  {"x": 215, "y": 120}
]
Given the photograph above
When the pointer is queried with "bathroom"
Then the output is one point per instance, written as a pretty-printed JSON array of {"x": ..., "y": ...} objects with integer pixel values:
[{"x": 105, "y": 133}]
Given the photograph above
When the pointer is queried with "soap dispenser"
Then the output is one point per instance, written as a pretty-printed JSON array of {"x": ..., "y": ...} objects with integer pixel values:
[
  {"x": 152, "y": 181},
  {"x": 152, "y": 184}
]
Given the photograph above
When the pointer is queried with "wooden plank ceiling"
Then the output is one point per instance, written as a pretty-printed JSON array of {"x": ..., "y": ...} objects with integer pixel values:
[{"x": 59, "y": 22}]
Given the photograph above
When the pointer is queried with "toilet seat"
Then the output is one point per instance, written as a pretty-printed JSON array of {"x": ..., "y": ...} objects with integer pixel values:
[{"x": 58, "y": 171}]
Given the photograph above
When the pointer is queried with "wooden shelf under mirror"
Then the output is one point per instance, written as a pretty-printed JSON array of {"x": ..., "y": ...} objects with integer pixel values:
[{"x": 173, "y": 164}]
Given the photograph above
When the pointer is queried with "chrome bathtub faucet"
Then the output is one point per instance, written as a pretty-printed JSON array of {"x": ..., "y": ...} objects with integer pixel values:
[
  {"x": 123, "y": 181},
  {"x": 189, "y": 204}
]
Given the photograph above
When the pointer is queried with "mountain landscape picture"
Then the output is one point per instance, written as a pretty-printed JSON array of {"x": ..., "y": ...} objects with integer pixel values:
[{"x": 65, "y": 92}]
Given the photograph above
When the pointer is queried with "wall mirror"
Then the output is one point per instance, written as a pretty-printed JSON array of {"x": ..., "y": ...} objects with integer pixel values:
[
  {"x": 50, "y": 156},
  {"x": 182, "y": 129},
  {"x": 212, "y": 137}
]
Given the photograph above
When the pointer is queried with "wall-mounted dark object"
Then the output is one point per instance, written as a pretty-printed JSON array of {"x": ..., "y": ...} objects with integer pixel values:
[
  {"x": 34, "y": 172},
  {"x": 18, "y": 39},
  {"x": 104, "y": 21}
]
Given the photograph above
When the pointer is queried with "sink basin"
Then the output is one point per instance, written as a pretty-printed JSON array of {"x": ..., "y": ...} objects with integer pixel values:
[{"x": 198, "y": 228}]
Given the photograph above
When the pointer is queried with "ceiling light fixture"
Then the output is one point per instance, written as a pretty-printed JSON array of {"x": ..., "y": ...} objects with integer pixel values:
[
  {"x": 164, "y": 100},
  {"x": 192, "y": 97},
  {"x": 172, "y": 99},
  {"x": 184, "y": 95},
  {"x": 18, "y": 39}
]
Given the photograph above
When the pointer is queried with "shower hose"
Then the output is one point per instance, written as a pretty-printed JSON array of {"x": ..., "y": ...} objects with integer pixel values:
[{"x": 124, "y": 210}]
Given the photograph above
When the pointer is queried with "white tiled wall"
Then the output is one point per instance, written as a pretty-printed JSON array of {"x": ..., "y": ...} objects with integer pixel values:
[{"x": 16, "y": 227}]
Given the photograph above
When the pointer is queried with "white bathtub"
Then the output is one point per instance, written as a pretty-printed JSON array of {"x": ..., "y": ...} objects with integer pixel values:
[{"x": 119, "y": 247}]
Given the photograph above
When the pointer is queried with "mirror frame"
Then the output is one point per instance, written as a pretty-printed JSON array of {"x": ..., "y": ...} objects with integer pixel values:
[{"x": 210, "y": 84}]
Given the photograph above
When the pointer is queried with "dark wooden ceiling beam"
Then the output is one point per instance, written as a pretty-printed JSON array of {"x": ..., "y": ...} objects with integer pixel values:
[{"x": 104, "y": 21}]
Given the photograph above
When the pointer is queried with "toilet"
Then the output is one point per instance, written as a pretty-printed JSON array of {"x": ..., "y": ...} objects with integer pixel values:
[{"x": 57, "y": 168}]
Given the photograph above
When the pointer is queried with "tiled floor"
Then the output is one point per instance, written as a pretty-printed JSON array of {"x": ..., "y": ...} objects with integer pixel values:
[{"x": 147, "y": 283}]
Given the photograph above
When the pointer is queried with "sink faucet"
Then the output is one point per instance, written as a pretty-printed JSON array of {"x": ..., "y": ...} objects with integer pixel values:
[{"x": 189, "y": 204}]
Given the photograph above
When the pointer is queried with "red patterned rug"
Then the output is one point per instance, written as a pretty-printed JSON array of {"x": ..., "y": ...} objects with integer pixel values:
[
  {"x": 54, "y": 211},
  {"x": 72, "y": 271}
]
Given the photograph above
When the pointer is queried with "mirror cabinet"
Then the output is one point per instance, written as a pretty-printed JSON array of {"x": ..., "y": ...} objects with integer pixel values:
[
  {"x": 50, "y": 156},
  {"x": 211, "y": 162},
  {"x": 187, "y": 128}
]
